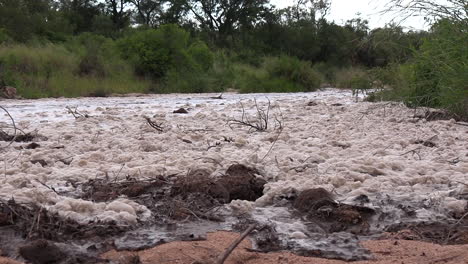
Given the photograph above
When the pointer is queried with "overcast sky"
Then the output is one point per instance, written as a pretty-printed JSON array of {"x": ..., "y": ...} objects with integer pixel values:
[{"x": 342, "y": 10}]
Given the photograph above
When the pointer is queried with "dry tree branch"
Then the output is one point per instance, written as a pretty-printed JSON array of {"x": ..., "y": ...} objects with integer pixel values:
[
  {"x": 260, "y": 123},
  {"x": 154, "y": 125},
  {"x": 413, "y": 151},
  {"x": 234, "y": 244},
  {"x": 14, "y": 128},
  {"x": 76, "y": 114},
  {"x": 273, "y": 144},
  {"x": 454, "y": 9},
  {"x": 216, "y": 144}
]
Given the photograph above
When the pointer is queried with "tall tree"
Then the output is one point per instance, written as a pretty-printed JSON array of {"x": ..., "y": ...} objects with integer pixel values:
[
  {"x": 80, "y": 13},
  {"x": 307, "y": 10},
  {"x": 23, "y": 19},
  {"x": 148, "y": 11},
  {"x": 224, "y": 16},
  {"x": 175, "y": 12},
  {"x": 117, "y": 10}
]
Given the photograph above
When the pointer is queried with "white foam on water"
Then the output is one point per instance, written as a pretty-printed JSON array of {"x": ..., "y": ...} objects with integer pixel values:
[{"x": 351, "y": 149}]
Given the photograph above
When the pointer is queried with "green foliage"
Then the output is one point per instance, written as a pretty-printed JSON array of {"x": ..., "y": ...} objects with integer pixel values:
[
  {"x": 26, "y": 20},
  {"x": 98, "y": 55},
  {"x": 328, "y": 72},
  {"x": 156, "y": 51},
  {"x": 166, "y": 55},
  {"x": 52, "y": 71},
  {"x": 278, "y": 74},
  {"x": 218, "y": 77},
  {"x": 352, "y": 78},
  {"x": 436, "y": 76},
  {"x": 202, "y": 55},
  {"x": 246, "y": 45},
  {"x": 293, "y": 70},
  {"x": 440, "y": 69}
]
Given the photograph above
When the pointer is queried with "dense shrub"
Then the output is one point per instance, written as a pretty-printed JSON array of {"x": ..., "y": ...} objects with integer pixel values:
[
  {"x": 154, "y": 52},
  {"x": 352, "y": 78},
  {"x": 214, "y": 74},
  {"x": 440, "y": 68},
  {"x": 279, "y": 74},
  {"x": 328, "y": 72},
  {"x": 293, "y": 70},
  {"x": 437, "y": 75},
  {"x": 202, "y": 55},
  {"x": 52, "y": 70}
]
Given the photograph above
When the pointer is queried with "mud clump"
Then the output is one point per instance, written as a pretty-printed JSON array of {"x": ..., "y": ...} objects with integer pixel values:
[
  {"x": 319, "y": 206},
  {"x": 197, "y": 193},
  {"x": 104, "y": 190},
  {"x": 4, "y": 219},
  {"x": 42, "y": 252},
  {"x": 27, "y": 137},
  {"x": 313, "y": 199},
  {"x": 239, "y": 183},
  {"x": 42, "y": 162},
  {"x": 242, "y": 183},
  {"x": 180, "y": 111},
  {"x": 8, "y": 92},
  {"x": 199, "y": 181},
  {"x": 34, "y": 222},
  {"x": 33, "y": 145}
]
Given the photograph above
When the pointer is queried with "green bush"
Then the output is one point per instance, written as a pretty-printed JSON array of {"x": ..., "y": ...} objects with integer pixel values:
[
  {"x": 278, "y": 74},
  {"x": 4, "y": 37},
  {"x": 154, "y": 52},
  {"x": 175, "y": 62},
  {"x": 218, "y": 77},
  {"x": 327, "y": 70},
  {"x": 294, "y": 70},
  {"x": 437, "y": 74},
  {"x": 53, "y": 71},
  {"x": 202, "y": 55},
  {"x": 352, "y": 78},
  {"x": 440, "y": 68}
]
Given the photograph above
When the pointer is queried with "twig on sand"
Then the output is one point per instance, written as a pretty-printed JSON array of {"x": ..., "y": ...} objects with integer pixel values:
[{"x": 229, "y": 250}]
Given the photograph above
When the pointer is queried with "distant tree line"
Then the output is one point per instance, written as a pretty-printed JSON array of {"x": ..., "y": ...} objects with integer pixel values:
[
  {"x": 98, "y": 47},
  {"x": 245, "y": 26}
]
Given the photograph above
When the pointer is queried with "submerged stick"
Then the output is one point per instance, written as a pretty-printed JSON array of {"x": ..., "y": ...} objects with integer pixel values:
[{"x": 235, "y": 244}]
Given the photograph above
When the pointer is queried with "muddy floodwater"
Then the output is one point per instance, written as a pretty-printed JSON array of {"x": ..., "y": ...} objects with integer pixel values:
[{"x": 315, "y": 172}]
